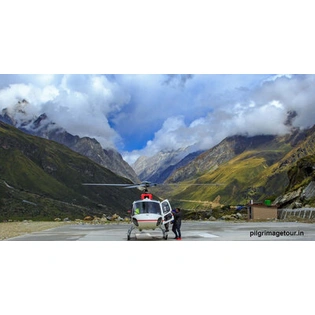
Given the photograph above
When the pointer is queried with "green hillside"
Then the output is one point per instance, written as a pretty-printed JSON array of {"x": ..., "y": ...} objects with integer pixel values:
[
  {"x": 239, "y": 180},
  {"x": 260, "y": 172},
  {"x": 41, "y": 179}
]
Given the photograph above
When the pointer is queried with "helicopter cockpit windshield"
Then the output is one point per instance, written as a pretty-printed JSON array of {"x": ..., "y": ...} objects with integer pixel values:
[{"x": 146, "y": 207}]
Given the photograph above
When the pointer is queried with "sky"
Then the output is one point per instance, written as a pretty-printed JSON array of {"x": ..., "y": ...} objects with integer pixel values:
[{"x": 141, "y": 114}]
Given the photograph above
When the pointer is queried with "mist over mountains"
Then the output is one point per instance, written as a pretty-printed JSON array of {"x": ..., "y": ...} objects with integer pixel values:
[
  {"x": 142, "y": 115},
  {"x": 42, "y": 126},
  {"x": 163, "y": 165}
]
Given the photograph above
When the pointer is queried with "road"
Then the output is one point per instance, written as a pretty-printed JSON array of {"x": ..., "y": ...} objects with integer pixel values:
[{"x": 191, "y": 231}]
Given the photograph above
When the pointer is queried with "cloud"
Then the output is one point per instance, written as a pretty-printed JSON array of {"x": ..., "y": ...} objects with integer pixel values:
[
  {"x": 177, "y": 79},
  {"x": 153, "y": 101},
  {"x": 79, "y": 103},
  {"x": 36, "y": 96},
  {"x": 266, "y": 109},
  {"x": 204, "y": 133},
  {"x": 145, "y": 114},
  {"x": 296, "y": 93}
]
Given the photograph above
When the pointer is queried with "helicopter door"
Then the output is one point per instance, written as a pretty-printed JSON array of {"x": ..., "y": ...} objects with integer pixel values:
[{"x": 167, "y": 211}]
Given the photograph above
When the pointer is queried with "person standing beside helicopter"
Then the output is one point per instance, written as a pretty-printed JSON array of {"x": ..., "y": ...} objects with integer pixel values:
[{"x": 177, "y": 224}]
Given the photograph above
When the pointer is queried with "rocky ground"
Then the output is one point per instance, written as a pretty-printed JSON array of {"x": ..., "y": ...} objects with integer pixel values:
[{"x": 12, "y": 229}]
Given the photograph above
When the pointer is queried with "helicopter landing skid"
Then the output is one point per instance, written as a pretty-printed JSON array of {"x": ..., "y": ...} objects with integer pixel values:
[
  {"x": 165, "y": 233},
  {"x": 129, "y": 232}
]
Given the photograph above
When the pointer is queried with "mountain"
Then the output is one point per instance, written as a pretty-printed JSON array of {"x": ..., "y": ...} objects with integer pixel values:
[
  {"x": 165, "y": 174},
  {"x": 42, "y": 126},
  {"x": 300, "y": 167},
  {"x": 210, "y": 160},
  {"x": 156, "y": 168},
  {"x": 242, "y": 168},
  {"x": 42, "y": 179}
]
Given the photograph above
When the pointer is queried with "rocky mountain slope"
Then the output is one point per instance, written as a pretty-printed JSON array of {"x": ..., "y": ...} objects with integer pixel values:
[
  {"x": 42, "y": 179},
  {"x": 299, "y": 164},
  {"x": 211, "y": 159},
  {"x": 156, "y": 168},
  {"x": 43, "y": 127},
  {"x": 244, "y": 168},
  {"x": 163, "y": 175}
]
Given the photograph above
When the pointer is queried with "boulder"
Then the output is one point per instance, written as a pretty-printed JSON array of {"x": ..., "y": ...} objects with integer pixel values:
[
  {"x": 238, "y": 216},
  {"x": 103, "y": 219},
  {"x": 88, "y": 218}
]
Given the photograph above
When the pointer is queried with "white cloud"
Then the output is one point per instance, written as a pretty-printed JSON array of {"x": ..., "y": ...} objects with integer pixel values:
[
  {"x": 277, "y": 76},
  {"x": 264, "y": 112},
  {"x": 159, "y": 112},
  {"x": 79, "y": 103},
  {"x": 295, "y": 93},
  {"x": 36, "y": 96},
  {"x": 255, "y": 120}
]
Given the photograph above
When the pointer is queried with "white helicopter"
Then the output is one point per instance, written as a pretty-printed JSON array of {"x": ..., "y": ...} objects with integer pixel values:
[{"x": 147, "y": 213}]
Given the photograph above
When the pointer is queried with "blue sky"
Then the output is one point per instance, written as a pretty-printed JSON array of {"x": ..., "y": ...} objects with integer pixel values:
[{"x": 145, "y": 114}]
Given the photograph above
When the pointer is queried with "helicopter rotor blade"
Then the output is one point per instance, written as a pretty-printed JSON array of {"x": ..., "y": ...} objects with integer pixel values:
[
  {"x": 143, "y": 184},
  {"x": 214, "y": 184},
  {"x": 95, "y": 184},
  {"x": 147, "y": 184},
  {"x": 132, "y": 185},
  {"x": 135, "y": 186}
]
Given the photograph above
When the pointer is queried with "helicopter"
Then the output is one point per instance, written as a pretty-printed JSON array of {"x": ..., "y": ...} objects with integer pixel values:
[{"x": 146, "y": 213}]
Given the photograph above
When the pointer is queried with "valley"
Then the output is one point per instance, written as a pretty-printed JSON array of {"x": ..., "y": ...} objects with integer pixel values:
[
  {"x": 240, "y": 169},
  {"x": 43, "y": 166}
]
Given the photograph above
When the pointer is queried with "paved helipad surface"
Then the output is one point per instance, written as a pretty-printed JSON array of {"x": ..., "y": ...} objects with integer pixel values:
[{"x": 191, "y": 231}]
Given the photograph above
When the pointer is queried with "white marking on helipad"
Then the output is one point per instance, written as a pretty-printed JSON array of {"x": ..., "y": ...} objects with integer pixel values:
[{"x": 206, "y": 235}]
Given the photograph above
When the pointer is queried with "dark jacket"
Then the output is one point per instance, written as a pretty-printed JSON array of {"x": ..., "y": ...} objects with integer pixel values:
[{"x": 177, "y": 219}]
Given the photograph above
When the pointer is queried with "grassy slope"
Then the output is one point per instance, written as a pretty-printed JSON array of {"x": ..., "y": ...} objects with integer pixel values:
[
  {"x": 242, "y": 178},
  {"x": 265, "y": 171},
  {"x": 51, "y": 175}
]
